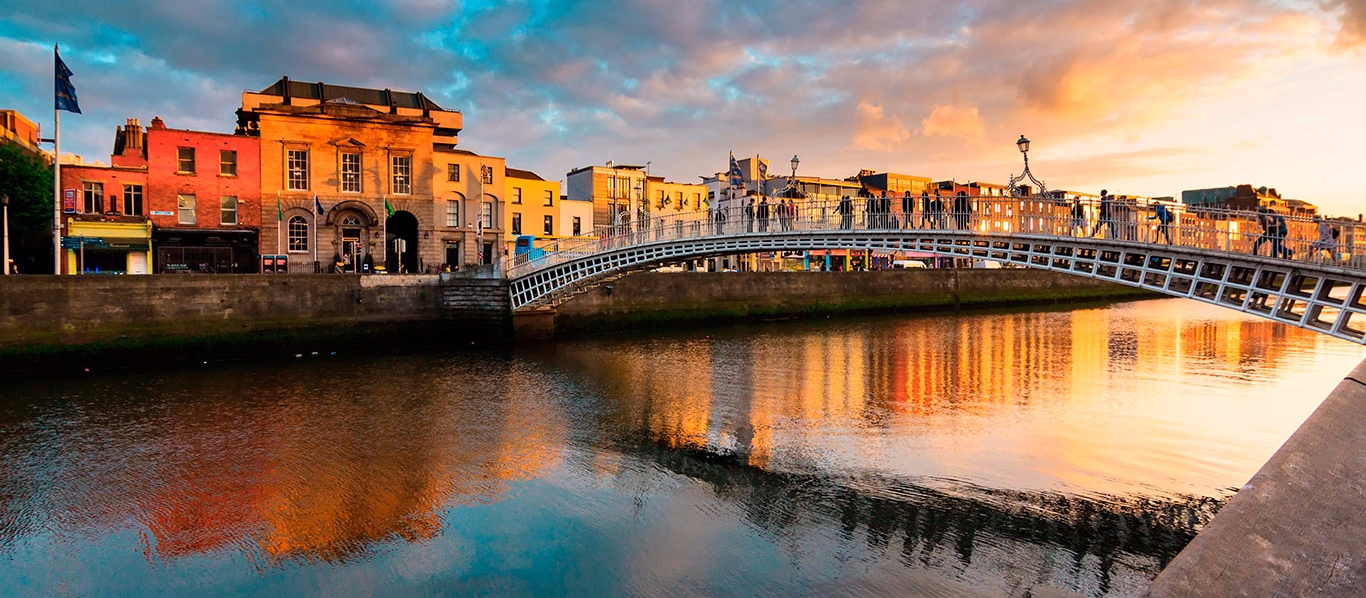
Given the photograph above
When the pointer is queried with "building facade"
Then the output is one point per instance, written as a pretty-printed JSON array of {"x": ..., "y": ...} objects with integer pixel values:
[
  {"x": 104, "y": 220},
  {"x": 469, "y": 192},
  {"x": 203, "y": 197},
  {"x": 351, "y": 173},
  {"x": 532, "y": 208},
  {"x": 614, "y": 190}
]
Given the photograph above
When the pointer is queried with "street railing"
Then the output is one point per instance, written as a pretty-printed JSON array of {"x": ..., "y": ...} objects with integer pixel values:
[{"x": 1223, "y": 231}]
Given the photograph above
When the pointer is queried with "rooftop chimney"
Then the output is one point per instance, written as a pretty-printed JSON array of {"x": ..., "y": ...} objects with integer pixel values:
[{"x": 157, "y": 123}]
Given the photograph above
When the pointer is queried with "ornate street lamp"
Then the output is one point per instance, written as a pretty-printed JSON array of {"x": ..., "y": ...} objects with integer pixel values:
[
  {"x": 792, "y": 181},
  {"x": 1015, "y": 181}
]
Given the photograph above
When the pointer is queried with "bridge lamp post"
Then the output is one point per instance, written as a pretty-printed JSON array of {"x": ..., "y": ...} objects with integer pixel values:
[
  {"x": 1015, "y": 181},
  {"x": 4, "y": 205}
]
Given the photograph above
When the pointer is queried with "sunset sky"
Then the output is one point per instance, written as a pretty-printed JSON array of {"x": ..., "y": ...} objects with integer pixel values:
[{"x": 1144, "y": 97}]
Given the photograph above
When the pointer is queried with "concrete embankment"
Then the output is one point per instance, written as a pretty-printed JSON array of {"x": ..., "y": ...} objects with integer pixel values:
[
  {"x": 652, "y": 299},
  {"x": 1298, "y": 528}
]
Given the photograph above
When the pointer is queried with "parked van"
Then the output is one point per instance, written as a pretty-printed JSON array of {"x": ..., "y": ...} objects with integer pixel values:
[{"x": 908, "y": 264}]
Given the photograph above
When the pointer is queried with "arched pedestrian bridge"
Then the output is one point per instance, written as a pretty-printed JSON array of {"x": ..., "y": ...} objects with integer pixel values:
[{"x": 1291, "y": 274}]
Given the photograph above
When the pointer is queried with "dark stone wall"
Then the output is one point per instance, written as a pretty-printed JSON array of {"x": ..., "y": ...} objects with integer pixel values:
[
  {"x": 78, "y": 310},
  {"x": 649, "y": 299}
]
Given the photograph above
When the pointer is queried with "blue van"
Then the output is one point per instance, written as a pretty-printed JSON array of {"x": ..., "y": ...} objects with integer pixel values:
[{"x": 524, "y": 249}]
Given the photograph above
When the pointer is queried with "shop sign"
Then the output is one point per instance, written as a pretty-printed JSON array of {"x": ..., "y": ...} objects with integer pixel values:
[
  {"x": 161, "y": 213},
  {"x": 69, "y": 201}
]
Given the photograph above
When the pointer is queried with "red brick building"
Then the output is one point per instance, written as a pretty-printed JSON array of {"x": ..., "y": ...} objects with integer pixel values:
[
  {"x": 203, "y": 198},
  {"x": 104, "y": 220}
]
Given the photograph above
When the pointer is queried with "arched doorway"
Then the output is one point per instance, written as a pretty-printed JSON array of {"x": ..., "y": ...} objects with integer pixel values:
[{"x": 402, "y": 226}]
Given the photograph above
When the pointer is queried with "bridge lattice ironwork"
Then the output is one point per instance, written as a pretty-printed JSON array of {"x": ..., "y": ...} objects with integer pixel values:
[{"x": 1299, "y": 271}]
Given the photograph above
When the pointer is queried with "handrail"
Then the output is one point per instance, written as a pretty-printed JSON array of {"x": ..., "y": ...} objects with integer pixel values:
[{"x": 1215, "y": 230}]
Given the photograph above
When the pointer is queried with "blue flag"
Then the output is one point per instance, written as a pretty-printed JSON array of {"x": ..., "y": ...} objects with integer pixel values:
[
  {"x": 763, "y": 169},
  {"x": 66, "y": 92},
  {"x": 317, "y": 205},
  {"x": 736, "y": 179}
]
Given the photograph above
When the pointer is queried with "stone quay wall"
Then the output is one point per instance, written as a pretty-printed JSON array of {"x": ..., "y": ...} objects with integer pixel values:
[
  {"x": 656, "y": 299},
  {"x": 49, "y": 322}
]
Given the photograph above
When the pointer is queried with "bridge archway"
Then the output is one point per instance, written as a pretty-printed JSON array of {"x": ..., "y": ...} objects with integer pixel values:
[{"x": 1323, "y": 298}]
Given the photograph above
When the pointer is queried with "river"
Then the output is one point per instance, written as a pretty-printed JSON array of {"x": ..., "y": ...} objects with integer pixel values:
[{"x": 975, "y": 454}]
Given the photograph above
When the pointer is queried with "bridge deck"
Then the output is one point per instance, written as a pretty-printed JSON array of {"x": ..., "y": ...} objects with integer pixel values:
[{"x": 1314, "y": 277}]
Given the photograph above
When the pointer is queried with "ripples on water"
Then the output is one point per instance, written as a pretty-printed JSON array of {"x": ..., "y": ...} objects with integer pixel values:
[{"x": 977, "y": 455}]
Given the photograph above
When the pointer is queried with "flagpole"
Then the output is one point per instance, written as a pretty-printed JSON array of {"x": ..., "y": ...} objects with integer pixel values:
[
  {"x": 278, "y": 223},
  {"x": 56, "y": 189},
  {"x": 316, "y": 205}
]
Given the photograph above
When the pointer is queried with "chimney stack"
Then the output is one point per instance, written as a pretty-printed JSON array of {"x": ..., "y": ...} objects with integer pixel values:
[{"x": 157, "y": 123}]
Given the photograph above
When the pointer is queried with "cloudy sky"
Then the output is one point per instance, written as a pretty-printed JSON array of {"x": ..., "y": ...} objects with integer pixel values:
[{"x": 1138, "y": 96}]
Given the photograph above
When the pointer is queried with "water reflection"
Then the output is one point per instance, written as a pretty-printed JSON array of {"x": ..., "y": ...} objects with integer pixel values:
[
  {"x": 279, "y": 468},
  {"x": 975, "y": 455}
]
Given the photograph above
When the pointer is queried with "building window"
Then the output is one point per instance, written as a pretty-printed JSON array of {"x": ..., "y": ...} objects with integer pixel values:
[
  {"x": 297, "y": 166},
  {"x": 350, "y": 172},
  {"x": 298, "y": 234},
  {"x": 517, "y": 195},
  {"x": 549, "y": 198},
  {"x": 227, "y": 162},
  {"x": 185, "y": 203},
  {"x": 662, "y": 197},
  {"x": 678, "y": 198},
  {"x": 516, "y": 223},
  {"x": 402, "y": 175},
  {"x": 93, "y": 193},
  {"x": 453, "y": 173},
  {"x": 549, "y": 225},
  {"x": 488, "y": 215},
  {"x": 184, "y": 160},
  {"x": 578, "y": 226},
  {"x": 452, "y": 213},
  {"x": 228, "y": 210},
  {"x": 486, "y": 174},
  {"x": 132, "y": 200}
]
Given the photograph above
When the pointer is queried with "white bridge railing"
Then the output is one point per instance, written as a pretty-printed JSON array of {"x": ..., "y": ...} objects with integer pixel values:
[{"x": 1213, "y": 231}]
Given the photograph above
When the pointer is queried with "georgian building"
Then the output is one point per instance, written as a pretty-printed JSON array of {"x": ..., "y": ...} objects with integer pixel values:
[
  {"x": 350, "y": 176},
  {"x": 533, "y": 207},
  {"x": 469, "y": 194}
]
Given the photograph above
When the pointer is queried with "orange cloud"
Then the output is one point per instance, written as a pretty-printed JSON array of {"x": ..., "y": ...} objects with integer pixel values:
[
  {"x": 874, "y": 130},
  {"x": 954, "y": 120}
]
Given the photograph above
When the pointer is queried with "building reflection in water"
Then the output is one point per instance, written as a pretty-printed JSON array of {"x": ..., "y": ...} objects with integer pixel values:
[
  {"x": 317, "y": 465},
  {"x": 993, "y": 449}
]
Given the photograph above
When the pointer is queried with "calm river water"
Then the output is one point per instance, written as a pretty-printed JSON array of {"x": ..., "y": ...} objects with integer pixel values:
[{"x": 952, "y": 455}]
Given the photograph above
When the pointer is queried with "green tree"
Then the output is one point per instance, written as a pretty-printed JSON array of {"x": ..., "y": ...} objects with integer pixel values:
[{"x": 27, "y": 180}]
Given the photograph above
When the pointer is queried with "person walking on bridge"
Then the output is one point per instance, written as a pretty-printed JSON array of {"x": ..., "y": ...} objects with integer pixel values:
[
  {"x": 763, "y": 214},
  {"x": 1327, "y": 241},
  {"x": 925, "y": 208},
  {"x": 846, "y": 212},
  {"x": 1164, "y": 218},
  {"x": 907, "y": 210},
  {"x": 1078, "y": 217},
  {"x": 749, "y": 215},
  {"x": 1106, "y": 217}
]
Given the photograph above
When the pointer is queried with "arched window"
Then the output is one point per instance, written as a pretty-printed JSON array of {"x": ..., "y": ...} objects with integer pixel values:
[
  {"x": 298, "y": 234},
  {"x": 350, "y": 221}
]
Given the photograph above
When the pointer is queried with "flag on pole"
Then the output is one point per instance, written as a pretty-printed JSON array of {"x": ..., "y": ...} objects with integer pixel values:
[
  {"x": 317, "y": 205},
  {"x": 388, "y": 209},
  {"x": 763, "y": 169},
  {"x": 279, "y": 210},
  {"x": 65, "y": 98},
  {"x": 736, "y": 178}
]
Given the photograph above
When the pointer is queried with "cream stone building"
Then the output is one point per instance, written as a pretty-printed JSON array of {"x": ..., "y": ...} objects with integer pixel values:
[
  {"x": 615, "y": 191},
  {"x": 470, "y": 195},
  {"x": 354, "y": 178}
]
